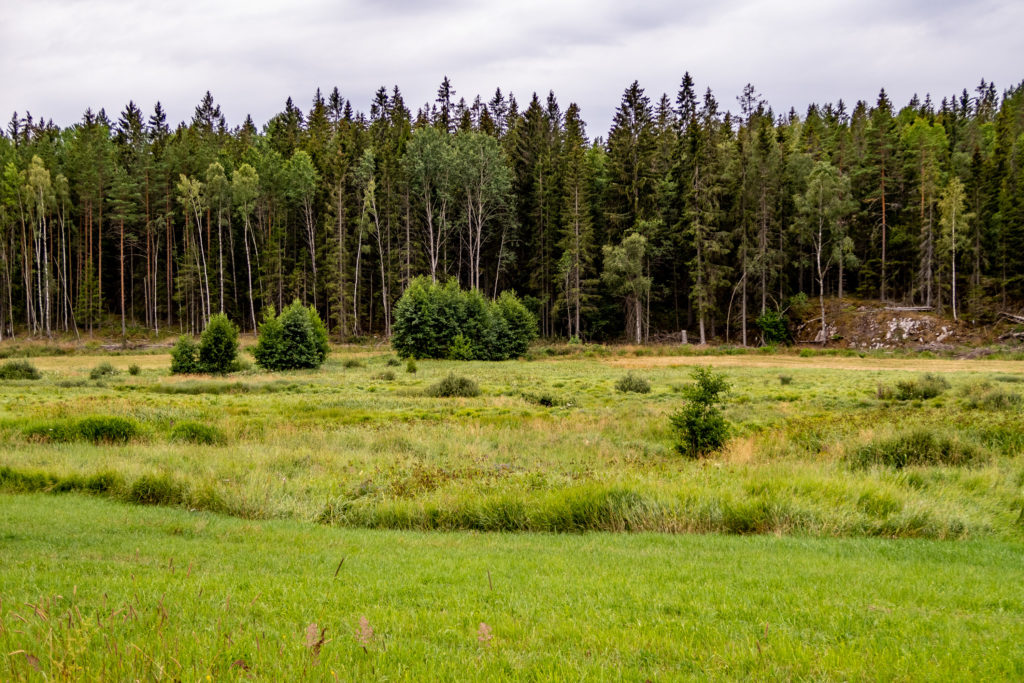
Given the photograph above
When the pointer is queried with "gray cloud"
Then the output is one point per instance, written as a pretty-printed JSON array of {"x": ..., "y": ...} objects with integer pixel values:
[{"x": 60, "y": 56}]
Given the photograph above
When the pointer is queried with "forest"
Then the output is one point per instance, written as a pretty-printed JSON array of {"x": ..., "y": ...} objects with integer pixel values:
[{"x": 688, "y": 215}]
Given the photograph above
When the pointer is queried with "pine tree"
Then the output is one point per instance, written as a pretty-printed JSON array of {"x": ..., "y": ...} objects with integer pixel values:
[
  {"x": 576, "y": 244},
  {"x": 631, "y": 161}
]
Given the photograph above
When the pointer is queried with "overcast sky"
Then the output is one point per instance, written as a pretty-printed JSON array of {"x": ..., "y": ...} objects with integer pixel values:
[{"x": 58, "y": 57}]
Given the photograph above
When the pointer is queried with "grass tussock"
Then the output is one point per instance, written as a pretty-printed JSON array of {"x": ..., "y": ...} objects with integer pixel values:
[
  {"x": 924, "y": 387},
  {"x": 198, "y": 433},
  {"x": 18, "y": 369},
  {"x": 631, "y": 383},
  {"x": 97, "y": 429},
  {"x": 545, "y": 399},
  {"x": 454, "y": 386},
  {"x": 985, "y": 396},
  {"x": 919, "y": 447},
  {"x": 103, "y": 370}
]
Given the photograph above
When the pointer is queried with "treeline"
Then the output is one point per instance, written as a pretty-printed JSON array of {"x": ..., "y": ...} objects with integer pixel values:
[{"x": 687, "y": 216}]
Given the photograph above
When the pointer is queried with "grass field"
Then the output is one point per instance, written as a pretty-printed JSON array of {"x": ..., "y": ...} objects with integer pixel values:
[
  {"x": 549, "y": 445},
  {"x": 99, "y": 590},
  {"x": 864, "y": 521}
]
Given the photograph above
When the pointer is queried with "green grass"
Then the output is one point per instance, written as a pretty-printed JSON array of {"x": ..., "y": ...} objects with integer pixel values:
[
  {"x": 95, "y": 590},
  {"x": 547, "y": 445}
]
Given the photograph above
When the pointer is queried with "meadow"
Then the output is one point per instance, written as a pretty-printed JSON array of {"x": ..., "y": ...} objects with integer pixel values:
[
  {"x": 864, "y": 521},
  {"x": 548, "y": 445}
]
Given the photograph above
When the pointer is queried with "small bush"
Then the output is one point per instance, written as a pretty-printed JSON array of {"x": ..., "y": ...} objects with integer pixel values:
[
  {"x": 240, "y": 365},
  {"x": 701, "y": 427},
  {"x": 785, "y": 380},
  {"x": 18, "y": 369},
  {"x": 386, "y": 376},
  {"x": 922, "y": 388},
  {"x": 294, "y": 340},
  {"x": 185, "y": 356},
  {"x": 352, "y": 363},
  {"x": 454, "y": 386},
  {"x": 102, "y": 370},
  {"x": 107, "y": 429},
  {"x": 198, "y": 433},
  {"x": 799, "y": 306},
  {"x": 410, "y": 366},
  {"x": 134, "y": 369},
  {"x": 461, "y": 348},
  {"x": 631, "y": 383},
  {"x": 392, "y": 362},
  {"x": 773, "y": 328},
  {"x": 917, "y": 447},
  {"x": 218, "y": 345}
]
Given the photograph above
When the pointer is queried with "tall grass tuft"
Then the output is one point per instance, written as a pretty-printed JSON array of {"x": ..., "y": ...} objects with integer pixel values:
[
  {"x": 198, "y": 433},
  {"x": 454, "y": 386},
  {"x": 924, "y": 387},
  {"x": 631, "y": 383},
  {"x": 99, "y": 429},
  {"x": 916, "y": 447},
  {"x": 102, "y": 370},
  {"x": 18, "y": 369},
  {"x": 107, "y": 429},
  {"x": 156, "y": 489}
]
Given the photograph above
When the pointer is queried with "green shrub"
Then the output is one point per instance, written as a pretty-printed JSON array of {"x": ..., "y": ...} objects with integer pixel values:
[
  {"x": 218, "y": 345},
  {"x": 352, "y": 363},
  {"x": 410, "y": 366},
  {"x": 185, "y": 356},
  {"x": 454, "y": 386},
  {"x": 392, "y": 362},
  {"x": 701, "y": 427},
  {"x": 294, "y": 340},
  {"x": 785, "y": 380},
  {"x": 799, "y": 306},
  {"x": 773, "y": 328},
  {"x": 916, "y": 447},
  {"x": 102, "y": 370},
  {"x": 107, "y": 429},
  {"x": 240, "y": 365},
  {"x": 922, "y": 388},
  {"x": 631, "y": 383},
  {"x": 134, "y": 369},
  {"x": 387, "y": 376},
  {"x": 198, "y": 433},
  {"x": 434, "y": 320},
  {"x": 461, "y": 348},
  {"x": 18, "y": 369},
  {"x": 522, "y": 324}
]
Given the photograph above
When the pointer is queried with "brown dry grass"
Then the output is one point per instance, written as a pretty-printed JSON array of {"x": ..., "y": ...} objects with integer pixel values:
[
  {"x": 824, "y": 362},
  {"x": 83, "y": 364}
]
